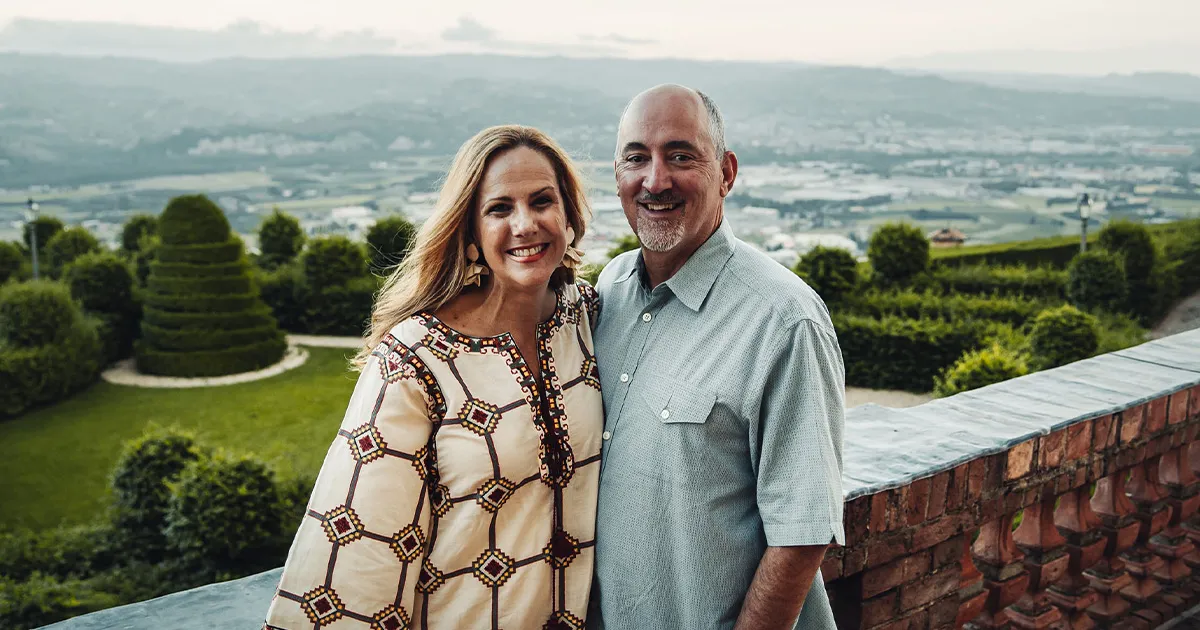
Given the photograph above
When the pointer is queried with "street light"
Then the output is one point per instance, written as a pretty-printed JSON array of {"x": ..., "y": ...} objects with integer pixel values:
[
  {"x": 1085, "y": 207},
  {"x": 30, "y": 215}
]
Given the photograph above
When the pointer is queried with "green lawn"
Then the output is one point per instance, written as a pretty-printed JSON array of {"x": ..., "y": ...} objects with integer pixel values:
[{"x": 55, "y": 461}]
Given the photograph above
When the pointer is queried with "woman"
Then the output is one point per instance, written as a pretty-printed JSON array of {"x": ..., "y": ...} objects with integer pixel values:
[{"x": 457, "y": 494}]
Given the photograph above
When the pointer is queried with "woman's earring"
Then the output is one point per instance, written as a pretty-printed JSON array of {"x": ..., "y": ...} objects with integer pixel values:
[
  {"x": 475, "y": 271},
  {"x": 573, "y": 256}
]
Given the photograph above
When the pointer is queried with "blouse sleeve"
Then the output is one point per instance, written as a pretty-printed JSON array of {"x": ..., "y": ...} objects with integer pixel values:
[{"x": 358, "y": 551}]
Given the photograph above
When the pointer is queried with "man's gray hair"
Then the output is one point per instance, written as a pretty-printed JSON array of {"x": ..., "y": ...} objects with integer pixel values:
[{"x": 716, "y": 125}]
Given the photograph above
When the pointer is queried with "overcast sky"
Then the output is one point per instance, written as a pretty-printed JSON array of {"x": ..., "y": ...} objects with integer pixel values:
[{"x": 866, "y": 32}]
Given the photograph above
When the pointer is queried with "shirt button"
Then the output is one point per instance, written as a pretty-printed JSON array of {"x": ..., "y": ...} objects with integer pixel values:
[
  {"x": 624, "y": 378},
  {"x": 666, "y": 413},
  {"x": 607, "y": 435},
  {"x": 647, "y": 317}
]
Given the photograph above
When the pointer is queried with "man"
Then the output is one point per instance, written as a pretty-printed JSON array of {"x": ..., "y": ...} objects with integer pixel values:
[{"x": 720, "y": 485}]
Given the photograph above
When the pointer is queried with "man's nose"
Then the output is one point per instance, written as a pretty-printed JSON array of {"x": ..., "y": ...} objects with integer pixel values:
[{"x": 657, "y": 179}]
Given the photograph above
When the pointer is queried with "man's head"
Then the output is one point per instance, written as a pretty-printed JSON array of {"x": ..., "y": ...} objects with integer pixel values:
[{"x": 673, "y": 170}]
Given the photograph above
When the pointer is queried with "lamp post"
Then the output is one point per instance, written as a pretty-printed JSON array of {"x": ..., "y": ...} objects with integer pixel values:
[
  {"x": 30, "y": 216},
  {"x": 1085, "y": 208}
]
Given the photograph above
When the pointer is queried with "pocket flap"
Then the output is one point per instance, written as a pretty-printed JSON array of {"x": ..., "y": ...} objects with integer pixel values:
[{"x": 687, "y": 404}]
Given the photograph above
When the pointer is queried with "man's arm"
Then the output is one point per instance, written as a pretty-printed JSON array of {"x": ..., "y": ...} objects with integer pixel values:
[{"x": 783, "y": 578}]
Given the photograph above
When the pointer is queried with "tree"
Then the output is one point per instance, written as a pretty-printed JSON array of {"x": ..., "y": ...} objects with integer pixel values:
[
  {"x": 831, "y": 272},
  {"x": 898, "y": 252},
  {"x": 388, "y": 242},
  {"x": 47, "y": 227},
  {"x": 103, "y": 284},
  {"x": 11, "y": 261},
  {"x": 332, "y": 261},
  {"x": 68, "y": 245},
  {"x": 203, "y": 315},
  {"x": 280, "y": 239},
  {"x": 136, "y": 229},
  {"x": 1139, "y": 256}
]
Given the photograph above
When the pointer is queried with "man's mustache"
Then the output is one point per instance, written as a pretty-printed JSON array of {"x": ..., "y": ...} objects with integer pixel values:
[{"x": 662, "y": 197}]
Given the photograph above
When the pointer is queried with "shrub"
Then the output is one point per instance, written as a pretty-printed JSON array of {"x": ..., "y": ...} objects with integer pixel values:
[
  {"x": 37, "y": 375},
  {"x": 341, "y": 310},
  {"x": 1038, "y": 283},
  {"x": 280, "y": 239},
  {"x": 141, "y": 488},
  {"x": 1095, "y": 281},
  {"x": 625, "y": 243},
  {"x": 1185, "y": 254},
  {"x": 897, "y": 353},
  {"x": 42, "y": 599},
  {"x": 77, "y": 551},
  {"x": 332, "y": 261},
  {"x": 1063, "y": 335},
  {"x": 103, "y": 285},
  {"x": 590, "y": 272},
  {"x": 1139, "y": 256},
  {"x": 68, "y": 245},
  {"x": 284, "y": 291},
  {"x": 11, "y": 261},
  {"x": 1056, "y": 251},
  {"x": 145, "y": 257},
  {"x": 898, "y": 251},
  {"x": 388, "y": 242},
  {"x": 831, "y": 272},
  {"x": 137, "y": 230},
  {"x": 979, "y": 368},
  {"x": 1013, "y": 310},
  {"x": 46, "y": 226},
  {"x": 34, "y": 314},
  {"x": 201, "y": 276},
  {"x": 225, "y": 514}
]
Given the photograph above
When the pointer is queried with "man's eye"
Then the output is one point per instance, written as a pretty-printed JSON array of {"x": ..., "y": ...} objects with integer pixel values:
[
  {"x": 681, "y": 158},
  {"x": 635, "y": 159}
]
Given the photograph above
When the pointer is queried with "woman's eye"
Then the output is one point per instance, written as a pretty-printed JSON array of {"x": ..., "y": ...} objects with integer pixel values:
[
  {"x": 500, "y": 207},
  {"x": 543, "y": 201}
]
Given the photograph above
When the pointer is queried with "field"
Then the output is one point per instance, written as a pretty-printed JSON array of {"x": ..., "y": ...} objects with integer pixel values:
[{"x": 56, "y": 460}]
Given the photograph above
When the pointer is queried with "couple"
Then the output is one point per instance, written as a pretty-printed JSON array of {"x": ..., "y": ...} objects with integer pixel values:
[{"x": 492, "y": 455}]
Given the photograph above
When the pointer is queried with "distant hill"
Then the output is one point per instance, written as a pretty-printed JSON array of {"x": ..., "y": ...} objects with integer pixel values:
[
  {"x": 1168, "y": 57},
  {"x": 1170, "y": 85}
]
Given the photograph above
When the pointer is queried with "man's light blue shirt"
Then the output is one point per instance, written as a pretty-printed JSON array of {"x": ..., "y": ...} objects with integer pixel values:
[{"x": 724, "y": 409}]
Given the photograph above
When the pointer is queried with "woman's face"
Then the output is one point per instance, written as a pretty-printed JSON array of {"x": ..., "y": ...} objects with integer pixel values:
[{"x": 520, "y": 219}]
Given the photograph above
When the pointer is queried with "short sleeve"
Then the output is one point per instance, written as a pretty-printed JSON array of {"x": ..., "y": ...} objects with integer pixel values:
[
  {"x": 801, "y": 421},
  {"x": 365, "y": 530}
]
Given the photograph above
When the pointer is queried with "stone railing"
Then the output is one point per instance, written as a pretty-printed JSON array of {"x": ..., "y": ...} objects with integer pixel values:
[{"x": 1096, "y": 459}]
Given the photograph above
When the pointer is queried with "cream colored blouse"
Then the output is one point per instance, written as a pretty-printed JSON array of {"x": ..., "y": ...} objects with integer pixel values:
[{"x": 457, "y": 495}]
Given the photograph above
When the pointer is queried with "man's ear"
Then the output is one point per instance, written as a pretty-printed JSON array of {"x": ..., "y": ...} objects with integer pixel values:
[{"x": 729, "y": 168}]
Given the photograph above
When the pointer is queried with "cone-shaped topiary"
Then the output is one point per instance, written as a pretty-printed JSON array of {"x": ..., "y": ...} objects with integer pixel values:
[{"x": 203, "y": 315}]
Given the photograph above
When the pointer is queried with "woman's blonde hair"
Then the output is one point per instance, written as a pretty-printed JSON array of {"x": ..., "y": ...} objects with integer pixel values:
[{"x": 432, "y": 273}]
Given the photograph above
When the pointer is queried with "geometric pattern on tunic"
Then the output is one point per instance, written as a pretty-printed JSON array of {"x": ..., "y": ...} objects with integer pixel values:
[{"x": 413, "y": 542}]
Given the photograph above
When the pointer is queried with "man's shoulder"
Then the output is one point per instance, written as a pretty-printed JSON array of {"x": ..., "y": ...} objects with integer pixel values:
[
  {"x": 763, "y": 281},
  {"x": 616, "y": 269}
]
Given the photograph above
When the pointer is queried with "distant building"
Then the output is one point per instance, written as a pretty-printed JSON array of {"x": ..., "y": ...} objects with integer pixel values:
[{"x": 947, "y": 237}]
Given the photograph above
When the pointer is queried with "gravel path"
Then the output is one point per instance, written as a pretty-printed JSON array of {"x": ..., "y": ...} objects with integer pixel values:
[{"x": 1184, "y": 317}]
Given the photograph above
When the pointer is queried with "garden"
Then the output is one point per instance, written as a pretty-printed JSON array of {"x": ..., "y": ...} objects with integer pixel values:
[{"x": 119, "y": 493}]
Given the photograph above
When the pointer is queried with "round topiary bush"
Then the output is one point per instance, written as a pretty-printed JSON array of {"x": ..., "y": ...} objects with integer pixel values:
[
  {"x": 898, "y": 252},
  {"x": 195, "y": 290},
  {"x": 11, "y": 260},
  {"x": 103, "y": 284},
  {"x": 141, "y": 488},
  {"x": 280, "y": 239},
  {"x": 388, "y": 242},
  {"x": 979, "y": 368},
  {"x": 1095, "y": 281},
  {"x": 830, "y": 271},
  {"x": 1063, "y": 335},
  {"x": 1139, "y": 255},
  {"x": 46, "y": 226},
  {"x": 226, "y": 514},
  {"x": 332, "y": 261},
  {"x": 136, "y": 229},
  {"x": 68, "y": 245},
  {"x": 48, "y": 351}
]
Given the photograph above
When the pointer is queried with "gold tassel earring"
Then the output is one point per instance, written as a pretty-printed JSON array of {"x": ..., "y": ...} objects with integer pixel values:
[
  {"x": 573, "y": 256},
  {"x": 475, "y": 271}
]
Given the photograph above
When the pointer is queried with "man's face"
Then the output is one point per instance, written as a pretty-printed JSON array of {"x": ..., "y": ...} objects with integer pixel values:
[{"x": 669, "y": 178}]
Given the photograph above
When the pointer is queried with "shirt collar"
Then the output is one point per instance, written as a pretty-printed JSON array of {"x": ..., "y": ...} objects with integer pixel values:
[{"x": 692, "y": 283}]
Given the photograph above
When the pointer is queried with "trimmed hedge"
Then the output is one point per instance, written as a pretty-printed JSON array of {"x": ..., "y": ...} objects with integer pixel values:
[
  {"x": 284, "y": 290},
  {"x": 168, "y": 339},
  {"x": 255, "y": 318},
  {"x": 32, "y": 376},
  {"x": 898, "y": 353},
  {"x": 1095, "y": 281},
  {"x": 210, "y": 363},
  {"x": 226, "y": 251},
  {"x": 103, "y": 284},
  {"x": 830, "y": 271},
  {"x": 1038, "y": 282},
  {"x": 1014, "y": 310},
  {"x": 200, "y": 303},
  {"x": 201, "y": 285},
  {"x": 338, "y": 310},
  {"x": 898, "y": 252},
  {"x": 194, "y": 270},
  {"x": 332, "y": 261},
  {"x": 36, "y": 313},
  {"x": 280, "y": 239},
  {"x": 68, "y": 245},
  {"x": 192, "y": 220}
]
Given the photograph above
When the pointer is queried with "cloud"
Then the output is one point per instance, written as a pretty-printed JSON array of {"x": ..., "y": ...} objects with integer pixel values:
[
  {"x": 618, "y": 39},
  {"x": 469, "y": 30}
]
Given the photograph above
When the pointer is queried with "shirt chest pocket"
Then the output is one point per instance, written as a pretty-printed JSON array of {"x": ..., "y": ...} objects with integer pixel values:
[{"x": 680, "y": 403}]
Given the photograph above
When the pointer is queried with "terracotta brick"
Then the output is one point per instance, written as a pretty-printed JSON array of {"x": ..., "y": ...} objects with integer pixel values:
[
  {"x": 1152, "y": 617},
  {"x": 994, "y": 478},
  {"x": 895, "y": 573},
  {"x": 1176, "y": 439},
  {"x": 1020, "y": 460},
  {"x": 991, "y": 509},
  {"x": 1104, "y": 432},
  {"x": 1080, "y": 476},
  {"x": 856, "y": 518},
  {"x": 970, "y": 608},
  {"x": 1079, "y": 440},
  {"x": 897, "y": 507},
  {"x": 1014, "y": 500},
  {"x": 1051, "y": 449},
  {"x": 918, "y": 620},
  {"x": 855, "y": 560},
  {"x": 918, "y": 502},
  {"x": 1132, "y": 422},
  {"x": 879, "y": 512},
  {"x": 1156, "y": 415},
  {"x": 939, "y": 485},
  {"x": 880, "y": 610},
  {"x": 928, "y": 589},
  {"x": 1192, "y": 430},
  {"x": 941, "y": 530},
  {"x": 976, "y": 479},
  {"x": 1194, "y": 402},
  {"x": 943, "y": 612},
  {"x": 957, "y": 492},
  {"x": 831, "y": 567},
  {"x": 1177, "y": 410},
  {"x": 887, "y": 548},
  {"x": 948, "y": 552}
]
